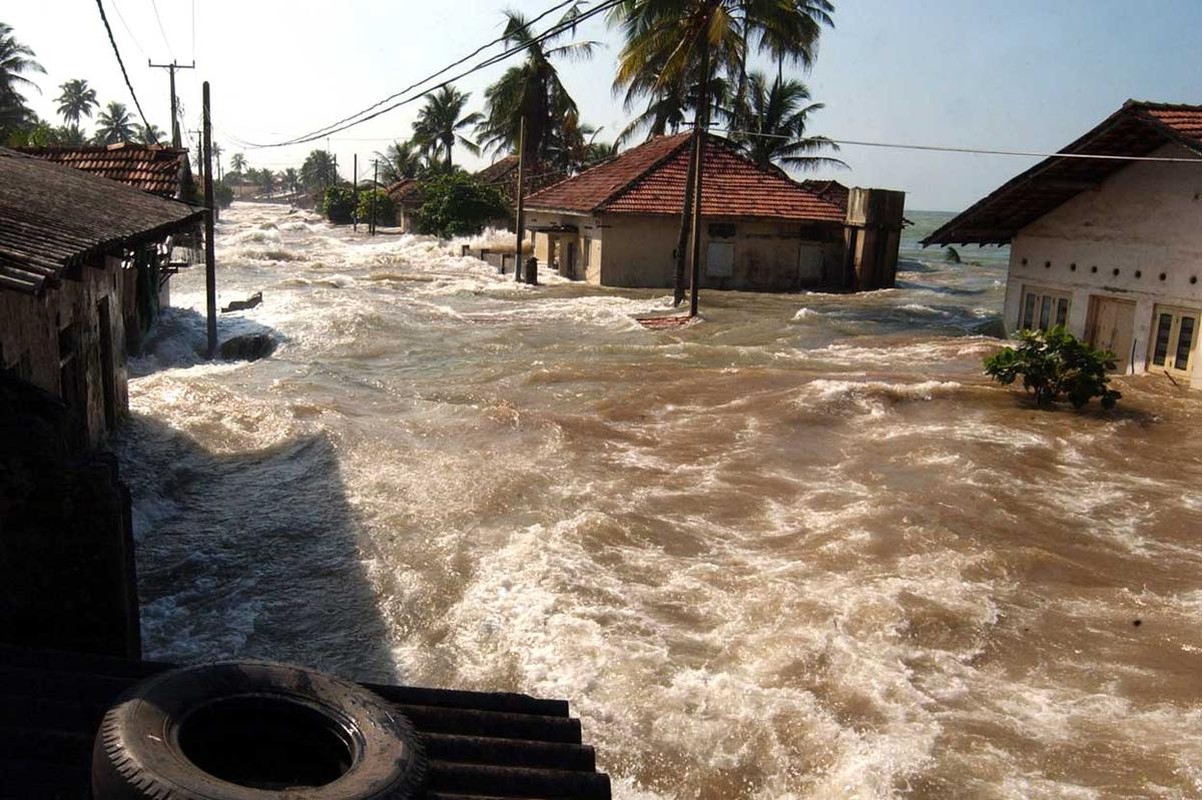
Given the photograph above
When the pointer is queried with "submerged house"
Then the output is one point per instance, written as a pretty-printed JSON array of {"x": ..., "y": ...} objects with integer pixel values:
[
  {"x": 1109, "y": 247},
  {"x": 70, "y": 249},
  {"x": 408, "y": 195},
  {"x": 617, "y": 223}
]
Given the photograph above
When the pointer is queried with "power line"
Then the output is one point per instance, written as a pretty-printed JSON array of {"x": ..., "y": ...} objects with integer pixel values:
[
  {"x": 154, "y": 4},
  {"x": 551, "y": 32},
  {"x": 125, "y": 25},
  {"x": 120, "y": 63},
  {"x": 434, "y": 75},
  {"x": 977, "y": 150}
]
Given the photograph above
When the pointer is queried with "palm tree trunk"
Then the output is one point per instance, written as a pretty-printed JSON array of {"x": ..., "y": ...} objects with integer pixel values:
[
  {"x": 701, "y": 126},
  {"x": 686, "y": 213}
]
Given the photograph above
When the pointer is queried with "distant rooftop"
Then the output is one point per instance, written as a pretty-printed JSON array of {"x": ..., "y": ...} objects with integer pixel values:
[
  {"x": 151, "y": 168},
  {"x": 1137, "y": 129},
  {"x": 650, "y": 179}
]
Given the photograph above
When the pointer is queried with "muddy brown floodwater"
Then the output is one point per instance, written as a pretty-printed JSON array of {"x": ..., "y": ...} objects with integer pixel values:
[{"x": 799, "y": 550}]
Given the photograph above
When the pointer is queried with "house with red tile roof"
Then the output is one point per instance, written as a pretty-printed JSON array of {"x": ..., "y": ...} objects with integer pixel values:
[
  {"x": 152, "y": 168},
  {"x": 1106, "y": 238},
  {"x": 617, "y": 224}
]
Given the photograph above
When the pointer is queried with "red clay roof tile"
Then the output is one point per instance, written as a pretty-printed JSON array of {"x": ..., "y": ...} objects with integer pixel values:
[
  {"x": 650, "y": 179},
  {"x": 152, "y": 169}
]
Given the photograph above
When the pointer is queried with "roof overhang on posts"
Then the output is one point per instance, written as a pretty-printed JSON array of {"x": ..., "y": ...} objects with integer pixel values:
[{"x": 1134, "y": 131}]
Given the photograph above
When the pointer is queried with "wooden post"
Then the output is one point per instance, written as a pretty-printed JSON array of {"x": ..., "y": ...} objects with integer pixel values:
[
  {"x": 355, "y": 194},
  {"x": 375, "y": 179},
  {"x": 210, "y": 252},
  {"x": 521, "y": 220},
  {"x": 702, "y": 124}
]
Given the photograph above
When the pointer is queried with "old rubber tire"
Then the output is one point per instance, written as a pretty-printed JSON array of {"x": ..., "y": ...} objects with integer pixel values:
[{"x": 254, "y": 731}]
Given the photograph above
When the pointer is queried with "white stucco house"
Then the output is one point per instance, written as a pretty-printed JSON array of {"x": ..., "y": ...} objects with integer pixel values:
[{"x": 1110, "y": 248}]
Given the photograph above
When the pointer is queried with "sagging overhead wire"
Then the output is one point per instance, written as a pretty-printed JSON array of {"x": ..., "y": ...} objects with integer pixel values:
[
  {"x": 162, "y": 32},
  {"x": 145, "y": 123},
  {"x": 553, "y": 31}
]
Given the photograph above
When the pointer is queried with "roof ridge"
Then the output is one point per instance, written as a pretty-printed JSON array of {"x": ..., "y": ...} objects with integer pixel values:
[{"x": 685, "y": 138}]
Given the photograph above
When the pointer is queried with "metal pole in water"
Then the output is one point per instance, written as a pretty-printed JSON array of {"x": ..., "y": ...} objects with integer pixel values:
[
  {"x": 375, "y": 179},
  {"x": 355, "y": 195},
  {"x": 521, "y": 222},
  {"x": 210, "y": 253}
]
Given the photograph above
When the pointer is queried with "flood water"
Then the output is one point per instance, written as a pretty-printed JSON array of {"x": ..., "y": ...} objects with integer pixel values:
[{"x": 799, "y": 550}]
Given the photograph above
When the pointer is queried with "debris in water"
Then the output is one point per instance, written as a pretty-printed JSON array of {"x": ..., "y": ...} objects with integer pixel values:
[
  {"x": 669, "y": 321},
  {"x": 242, "y": 305},
  {"x": 249, "y": 347}
]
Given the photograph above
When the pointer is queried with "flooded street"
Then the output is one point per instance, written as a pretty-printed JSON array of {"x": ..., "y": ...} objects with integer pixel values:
[{"x": 800, "y": 550}]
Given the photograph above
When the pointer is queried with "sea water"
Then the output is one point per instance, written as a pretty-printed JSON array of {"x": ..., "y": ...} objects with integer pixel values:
[{"x": 802, "y": 549}]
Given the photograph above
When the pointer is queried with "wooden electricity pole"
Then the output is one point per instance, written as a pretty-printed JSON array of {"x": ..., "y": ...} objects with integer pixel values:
[
  {"x": 375, "y": 179},
  {"x": 521, "y": 220},
  {"x": 702, "y": 125},
  {"x": 171, "y": 68},
  {"x": 355, "y": 193},
  {"x": 210, "y": 253}
]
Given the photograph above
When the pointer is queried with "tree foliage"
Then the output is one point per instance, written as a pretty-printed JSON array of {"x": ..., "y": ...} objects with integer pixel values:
[
  {"x": 1054, "y": 365},
  {"x": 78, "y": 100},
  {"x": 338, "y": 204},
  {"x": 457, "y": 204},
  {"x": 16, "y": 63},
  {"x": 440, "y": 122},
  {"x": 385, "y": 209},
  {"x": 779, "y": 112},
  {"x": 114, "y": 125}
]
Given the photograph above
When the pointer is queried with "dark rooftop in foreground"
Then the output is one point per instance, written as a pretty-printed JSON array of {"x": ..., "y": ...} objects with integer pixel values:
[
  {"x": 151, "y": 168},
  {"x": 53, "y": 217},
  {"x": 1137, "y": 129},
  {"x": 480, "y": 746}
]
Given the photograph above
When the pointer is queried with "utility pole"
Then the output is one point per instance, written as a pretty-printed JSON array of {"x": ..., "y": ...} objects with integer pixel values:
[
  {"x": 702, "y": 124},
  {"x": 521, "y": 220},
  {"x": 171, "y": 68},
  {"x": 355, "y": 194},
  {"x": 210, "y": 253},
  {"x": 375, "y": 179}
]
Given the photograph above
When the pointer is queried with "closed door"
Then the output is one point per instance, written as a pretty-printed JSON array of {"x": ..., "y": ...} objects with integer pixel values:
[
  {"x": 1174, "y": 340},
  {"x": 1112, "y": 327},
  {"x": 809, "y": 266}
]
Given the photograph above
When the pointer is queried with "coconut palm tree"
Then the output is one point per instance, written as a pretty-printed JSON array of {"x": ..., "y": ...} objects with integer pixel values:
[
  {"x": 532, "y": 91},
  {"x": 238, "y": 162},
  {"x": 668, "y": 42},
  {"x": 114, "y": 125},
  {"x": 440, "y": 121},
  {"x": 76, "y": 101},
  {"x": 291, "y": 179},
  {"x": 148, "y": 134},
  {"x": 320, "y": 170},
  {"x": 774, "y": 118},
  {"x": 400, "y": 160},
  {"x": 16, "y": 62}
]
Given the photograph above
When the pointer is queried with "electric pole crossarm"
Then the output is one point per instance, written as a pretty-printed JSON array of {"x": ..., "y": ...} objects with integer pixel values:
[{"x": 171, "y": 68}]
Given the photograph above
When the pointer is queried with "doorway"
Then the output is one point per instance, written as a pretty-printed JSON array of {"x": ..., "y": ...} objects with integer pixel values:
[
  {"x": 1111, "y": 326},
  {"x": 108, "y": 381}
]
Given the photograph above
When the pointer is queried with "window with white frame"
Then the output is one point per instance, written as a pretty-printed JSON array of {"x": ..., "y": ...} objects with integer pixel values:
[{"x": 1043, "y": 308}]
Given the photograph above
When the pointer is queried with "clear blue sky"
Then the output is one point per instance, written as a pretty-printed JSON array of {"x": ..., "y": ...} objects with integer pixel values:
[{"x": 1020, "y": 74}]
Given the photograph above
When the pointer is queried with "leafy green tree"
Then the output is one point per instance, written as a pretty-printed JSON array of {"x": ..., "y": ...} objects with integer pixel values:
[
  {"x": 151, "y": 134},
  {"x": 531, "y": 91},
  {"x": 385, "y": 209},
  {"x": 114, "y": 125},
  {"x": 440, "y": 121},
  {"x": 338, "y": 204},
  {"x": 16, "y": 62},
  {"x": 778, "y": 113},
  {"x": 77, "y": 101},
  {"x": 291, "y": 179},
  {"x": 671, "y": 43},
  {"x": 457, "y": 204},
  {"x": 266, "y": 180},
  {"x": 1055, "y": 365}
]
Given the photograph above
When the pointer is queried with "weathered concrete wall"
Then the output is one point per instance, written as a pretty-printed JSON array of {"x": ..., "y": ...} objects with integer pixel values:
[
  {"x": 66, "y": 545},
  {"x": 33, "y": 328},
  {"x": 637, "y": 251},
  {"x": 1138, "y": 237}
]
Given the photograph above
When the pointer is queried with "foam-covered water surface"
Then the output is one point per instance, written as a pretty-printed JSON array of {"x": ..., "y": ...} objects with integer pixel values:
[{"x": 800, "y": 550}]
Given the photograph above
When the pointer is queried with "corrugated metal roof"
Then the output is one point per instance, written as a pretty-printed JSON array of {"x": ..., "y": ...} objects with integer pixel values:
[
  {"x": 1137, "y": 129},
  {"x": 151, "y": 168},
  {"x": 54, "y": 216},
  {"x": 650, "y": 179},
  {"x": 478, "y": 745}
]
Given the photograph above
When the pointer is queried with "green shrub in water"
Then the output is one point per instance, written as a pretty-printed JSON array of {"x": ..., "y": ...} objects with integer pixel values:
[
  {"x": 459, "y": 205},
  {"x": 1055, "y": 365},
  {"x": 385, "y": 208},
  {"x": 338, "y": 204}
]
